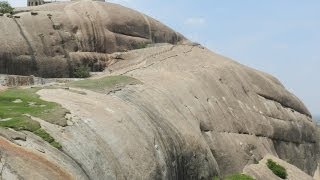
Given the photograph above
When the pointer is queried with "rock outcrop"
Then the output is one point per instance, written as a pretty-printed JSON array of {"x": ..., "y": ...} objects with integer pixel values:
[
  {"x": 50, "y": 40},
  {"x": 262, "y": 172},
  {"x": 195, "y": 114}
]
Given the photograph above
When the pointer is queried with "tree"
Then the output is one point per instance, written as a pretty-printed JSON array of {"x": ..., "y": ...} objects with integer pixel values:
[{"x": 5, "y": 7}]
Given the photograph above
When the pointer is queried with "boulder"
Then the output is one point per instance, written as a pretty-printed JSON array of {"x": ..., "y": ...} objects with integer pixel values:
[
  {"x": 262, "y": 172},
  {"x": 195, "y": 115},
  {"x": 39, "y": 40}
]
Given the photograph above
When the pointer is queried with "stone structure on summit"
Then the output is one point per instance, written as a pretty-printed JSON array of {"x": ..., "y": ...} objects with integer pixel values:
[
  {"x": 41, "y": 2},
  {"x": 37, "y": 2}
]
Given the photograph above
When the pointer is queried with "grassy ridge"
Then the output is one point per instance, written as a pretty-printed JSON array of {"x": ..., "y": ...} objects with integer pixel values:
[
  {"x": 235, "y": 177},
  {"x": 104, "y": 84}
]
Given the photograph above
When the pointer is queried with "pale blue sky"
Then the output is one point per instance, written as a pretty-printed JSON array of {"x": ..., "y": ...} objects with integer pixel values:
[{"x": 281, "y": 37}]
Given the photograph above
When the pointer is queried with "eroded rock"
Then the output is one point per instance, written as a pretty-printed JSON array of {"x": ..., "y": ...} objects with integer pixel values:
[
  {"x": 195, "y": 115},
  {"x": 262, "y": 172},
  {"x": 72, "y": 27}
]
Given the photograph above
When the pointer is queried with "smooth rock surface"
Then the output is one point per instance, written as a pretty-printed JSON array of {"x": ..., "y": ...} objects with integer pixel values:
[
  {"x": 262, "y": 172},
  {"x": 196, "y": 115},
  {"x": 51, "y": 40}
]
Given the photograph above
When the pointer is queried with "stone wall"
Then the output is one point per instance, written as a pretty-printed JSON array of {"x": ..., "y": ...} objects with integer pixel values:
[
  {"x": 35, "y": 2},
  {"x": 15, "y": 80}
]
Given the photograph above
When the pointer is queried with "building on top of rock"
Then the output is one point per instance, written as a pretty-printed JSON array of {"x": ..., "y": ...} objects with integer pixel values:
[
  {"x": 92, "y": 0},
  {"x": 37, "y": 2},
  {"x": 41, "y": 2}
]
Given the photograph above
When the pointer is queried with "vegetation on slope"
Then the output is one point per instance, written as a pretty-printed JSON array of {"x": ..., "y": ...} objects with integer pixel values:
[
  {"x": 105, "y": 84},
  {"x": 5, "y": 7},
  {"x": 81, "y": 72},
  {"x": 141, "y": 45},
  {"x": 17, "y": 104},
  {"x": 236, "y": 177},
  {"x": 14, "y": 103},
  {"x": 277, "y": 169}
]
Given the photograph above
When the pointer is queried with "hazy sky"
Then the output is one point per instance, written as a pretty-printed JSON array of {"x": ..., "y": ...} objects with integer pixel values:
[{"x": 281, "y": 37}]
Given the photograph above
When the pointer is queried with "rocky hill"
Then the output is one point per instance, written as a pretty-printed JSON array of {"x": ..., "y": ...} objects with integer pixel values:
[
  {"x": 162, "y": 112},
  {"x": 53, "y": 39}
]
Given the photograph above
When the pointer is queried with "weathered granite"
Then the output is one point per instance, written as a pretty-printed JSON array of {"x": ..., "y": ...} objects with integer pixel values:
[
  {"x": 262, "y": 172},
  {"x": 45, "y": 40},
  {"x": 195, "y": 115}
]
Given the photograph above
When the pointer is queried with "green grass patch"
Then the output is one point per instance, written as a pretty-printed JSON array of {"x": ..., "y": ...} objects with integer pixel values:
[
  {"x": 21, "y": 124},
  {"x": 235, "y": 177},
  {"x": 277, "y": 169},
  {"x": 105, "y": 84},
  {"x": 216, "y": 178},
  {"x": 27, "y": 124},
  {"x": 141, "y": 45},
  {"x": 45, "y": 136},
  {"x": 16, "y": 103},
  {"x": 238, "y": 177}
]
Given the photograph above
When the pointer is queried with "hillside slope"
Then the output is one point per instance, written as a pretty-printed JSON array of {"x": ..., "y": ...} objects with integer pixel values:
[
  {"x": 172, "y": 111},
  {"x": 194, "y": 114}
]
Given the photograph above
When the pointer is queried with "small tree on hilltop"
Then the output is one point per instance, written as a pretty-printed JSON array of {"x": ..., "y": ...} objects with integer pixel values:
[{"x": 5, "y": 7}]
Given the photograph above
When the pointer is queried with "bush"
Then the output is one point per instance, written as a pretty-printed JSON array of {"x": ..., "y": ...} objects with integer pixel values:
[
  {"x": 277, "y": 169},
  {"x": 141, "y": 45},
  {"x": 5, "y": 7},
  {"x": 81, "y": 72}
]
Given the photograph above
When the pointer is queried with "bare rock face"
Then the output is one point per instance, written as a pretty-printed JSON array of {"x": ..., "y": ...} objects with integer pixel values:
[
  {"x": 195, "y": 115},
  {"x": 45, "y": 40},
  {"x": 262, "y": 172}
]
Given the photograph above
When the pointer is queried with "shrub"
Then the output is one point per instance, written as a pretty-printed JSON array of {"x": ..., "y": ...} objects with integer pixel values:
[
  {"x": 5, "y": 7},
  {"x": 277, "y": 169},
  {"x": 141, "y": 45},
  {"x": 81, "y": 72}
]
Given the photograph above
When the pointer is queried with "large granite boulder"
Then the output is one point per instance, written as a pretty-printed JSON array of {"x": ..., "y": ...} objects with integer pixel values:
[
  {"x": 45, "y": 40},
  {"x": 262, "y": 172},
  {"x": 195, "y": 115}
]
